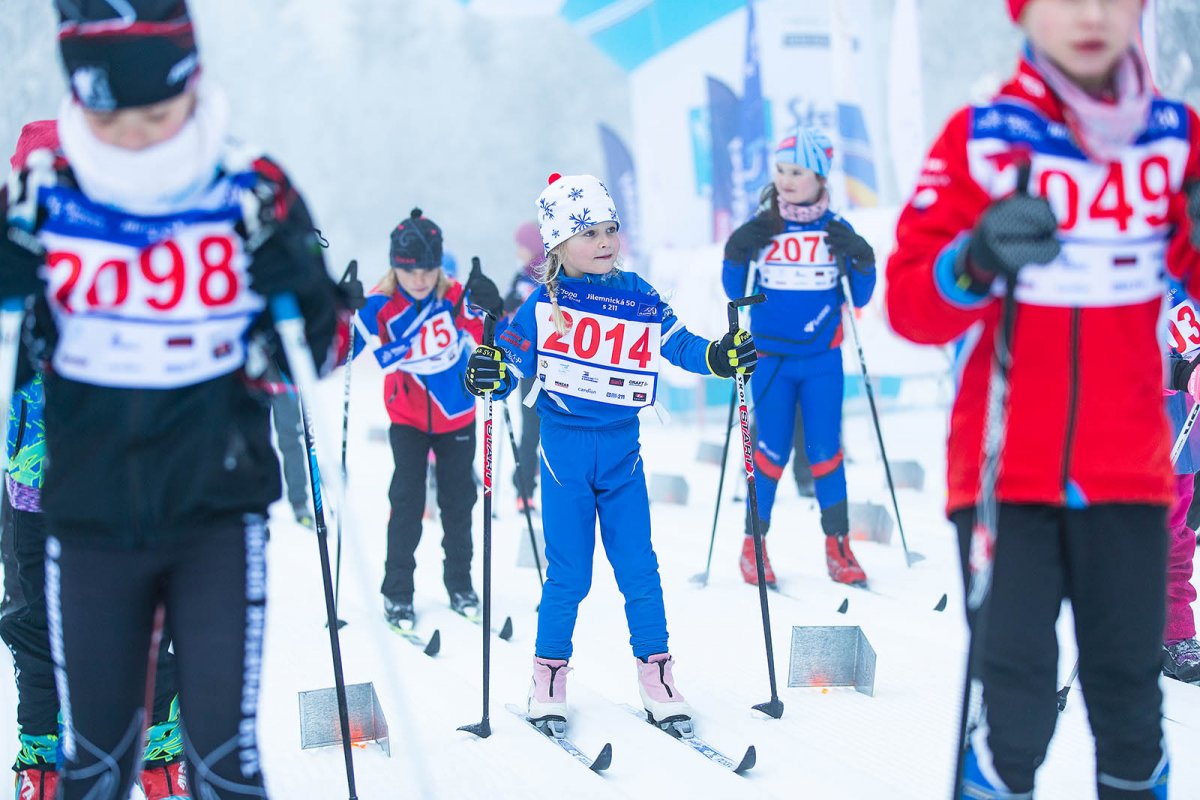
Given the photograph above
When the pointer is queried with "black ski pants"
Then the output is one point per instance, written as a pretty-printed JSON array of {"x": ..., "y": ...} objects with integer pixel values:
[
  {"x": 456, "y": 494},
  {"x": 1110, "y": 562},
  {"x": 25, "y": 631},
  {"x": 102, "y": 605}
]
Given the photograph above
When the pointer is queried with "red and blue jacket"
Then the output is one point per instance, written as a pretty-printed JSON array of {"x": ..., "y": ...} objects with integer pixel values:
[{"x": 422, "y": 346}]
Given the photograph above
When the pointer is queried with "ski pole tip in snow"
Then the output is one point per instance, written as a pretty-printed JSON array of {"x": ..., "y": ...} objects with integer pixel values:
[
  {"x": 482, "y": 729},
  {"x": 772, "y": 708}
]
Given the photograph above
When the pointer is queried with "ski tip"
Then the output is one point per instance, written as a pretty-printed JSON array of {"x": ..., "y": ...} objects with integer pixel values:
[
  {"x": 772, "y": 708},
  {"x": 748, "y": 761},
  {"x": 603, "y": 760},
  {"x": 941, "y": 604},
  {"x": 844, "y": 606},
  {"x": 435, "y": 643},
  {"x": 506, "y": 630}
]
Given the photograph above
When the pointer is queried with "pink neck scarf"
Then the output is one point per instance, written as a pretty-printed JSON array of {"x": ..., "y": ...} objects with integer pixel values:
[
  {"x": 796, "y": 212},
  {"x": 1104, "y": 128}
]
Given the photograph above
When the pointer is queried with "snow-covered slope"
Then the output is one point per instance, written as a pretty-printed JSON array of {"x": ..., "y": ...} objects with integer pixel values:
[{"x": 830, "y": 743}]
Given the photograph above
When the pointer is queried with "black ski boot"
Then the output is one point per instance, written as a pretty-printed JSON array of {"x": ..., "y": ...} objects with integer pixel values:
[
  {"x": 399, "y": 613},
  {"x": 465, "y": 602}
]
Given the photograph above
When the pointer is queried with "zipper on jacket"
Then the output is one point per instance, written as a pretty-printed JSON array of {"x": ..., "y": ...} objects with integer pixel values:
[{"x": 1072, "y": 401}]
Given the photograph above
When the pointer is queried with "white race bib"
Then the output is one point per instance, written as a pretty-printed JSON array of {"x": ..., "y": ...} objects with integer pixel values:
[
  {"x": 169, "y": 314},
  {"x": 610, "y": 350},
  {"x": 798, "y": 262},
  {"x": 1183, "y": 328},
  {"x": 433, "y": 348}
]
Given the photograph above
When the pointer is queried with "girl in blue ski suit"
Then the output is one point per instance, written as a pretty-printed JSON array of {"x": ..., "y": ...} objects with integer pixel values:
[
  {"x": 592, "y": 336},
  {"x": 802, "y": 250}
]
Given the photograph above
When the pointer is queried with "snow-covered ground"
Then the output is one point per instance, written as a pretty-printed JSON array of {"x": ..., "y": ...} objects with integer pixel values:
[{"x": 830, "y": 743}]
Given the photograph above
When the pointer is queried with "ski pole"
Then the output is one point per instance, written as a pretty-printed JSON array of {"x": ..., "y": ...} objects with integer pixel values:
[
  {"x": 774, "y": 707},
  {"x": 483, "y": 728},
  {"x": 1066, "y": 689},
  {"x": 351, "y": 275},
  {"x": 512, "y": 439},
  {"x": 702, "y": 577},
  {"x": 339, "y": 680},
  {"x": 983, "y": 535},
  {"x": 1184, "y": 432},
  {"x": 910, "y": 558}
]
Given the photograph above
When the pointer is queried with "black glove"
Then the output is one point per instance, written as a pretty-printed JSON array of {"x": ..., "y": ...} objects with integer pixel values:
[
  {"x": 486, "y": 371},
  {"x": 483, "y": 290},
  {"x": 1193, "y": 210},
  {"x": 1012, "y": 233},
  {"x": 1181, "y": 372},
  {"x": 352, "y": 288},
  {"x": 285, "y": 254},
  {"x": 746, "y": 241},
  {"x": 732, "y": 353},
  {"x": 844, "y": 243},
  {"x": 21, "y": 255}
]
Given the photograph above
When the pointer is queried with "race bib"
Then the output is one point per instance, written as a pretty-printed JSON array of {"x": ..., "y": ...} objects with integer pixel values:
[
  {"x": 433, "y": 348},
  {"x": 162, "y": 315},
  {"x": 798, "y": 262},
  {"x": 610, "y": 350},
  {"x": 1183, "y": 328}
]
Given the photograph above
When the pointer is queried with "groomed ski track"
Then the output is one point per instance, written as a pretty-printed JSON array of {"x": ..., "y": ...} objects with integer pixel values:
[{"x": 830, "y": 743}]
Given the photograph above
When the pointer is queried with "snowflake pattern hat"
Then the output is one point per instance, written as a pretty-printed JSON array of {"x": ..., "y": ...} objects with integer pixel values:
[{"x": 570, "y": 204}]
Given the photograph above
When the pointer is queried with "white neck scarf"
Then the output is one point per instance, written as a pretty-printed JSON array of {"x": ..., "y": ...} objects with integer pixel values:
[
  {"x": 161, "y": 179},
  {"x": 1104, "y": 128}
]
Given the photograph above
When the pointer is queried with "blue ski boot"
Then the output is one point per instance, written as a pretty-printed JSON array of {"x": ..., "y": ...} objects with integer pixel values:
[{"x": 980, "y": 781}]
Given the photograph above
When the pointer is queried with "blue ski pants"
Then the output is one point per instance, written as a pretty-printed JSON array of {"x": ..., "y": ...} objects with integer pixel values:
[
  {"x": 816, "y": 384},
  {"x": 590, "y": 473}
]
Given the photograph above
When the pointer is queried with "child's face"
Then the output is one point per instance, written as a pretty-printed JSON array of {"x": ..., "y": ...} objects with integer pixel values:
[
  {"x": 592, "y": 251},
  {"x": 1085, "y": 38},
  {"x": 418, "y": 283},
  {"x": 144, "y": 126},
  {"x": 797, "y": 184}
]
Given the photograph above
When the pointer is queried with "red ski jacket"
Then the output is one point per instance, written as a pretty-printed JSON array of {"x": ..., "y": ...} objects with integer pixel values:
[{"x": 1085, "y": 422}]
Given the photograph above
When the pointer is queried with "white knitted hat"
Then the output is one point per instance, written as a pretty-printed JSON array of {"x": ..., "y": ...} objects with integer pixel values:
[{"x": 570, "y": 204}]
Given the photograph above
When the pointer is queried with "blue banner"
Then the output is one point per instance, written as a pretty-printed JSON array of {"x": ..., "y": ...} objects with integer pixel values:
[
  {"x": 621, "y": 179},
  {"x": 723, "y": 122},
  {"x": 858, "y": 162},
  {"x": 752, "y": 171}
]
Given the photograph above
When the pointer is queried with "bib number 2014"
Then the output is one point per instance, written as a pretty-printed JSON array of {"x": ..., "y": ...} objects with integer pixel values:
[{"x": 601, "y": 339}]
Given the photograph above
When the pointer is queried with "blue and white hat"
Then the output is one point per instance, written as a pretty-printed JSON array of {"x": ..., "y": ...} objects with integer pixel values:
[
  {"x": 570, "y": 204},
  {"x": 808, "y": 147}
]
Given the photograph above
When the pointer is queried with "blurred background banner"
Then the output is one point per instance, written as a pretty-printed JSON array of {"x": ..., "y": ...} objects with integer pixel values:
[{"x": 463, "y": 107}]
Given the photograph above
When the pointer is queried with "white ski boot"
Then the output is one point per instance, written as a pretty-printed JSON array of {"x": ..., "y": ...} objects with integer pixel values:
[
  {"x": 548, "y": 696},
  {"x": 665, "y": 706}
]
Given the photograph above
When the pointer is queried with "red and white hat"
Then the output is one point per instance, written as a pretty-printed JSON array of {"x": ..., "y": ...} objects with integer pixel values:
[
  {"x": 127, "y": 54},
  {"x": 570, "y": 204}
]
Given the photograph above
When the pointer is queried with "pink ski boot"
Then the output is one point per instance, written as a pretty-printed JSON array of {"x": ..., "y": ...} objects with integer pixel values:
[
  {"x": 664, "y": 705},
  {"x": 548, "y": 696}
]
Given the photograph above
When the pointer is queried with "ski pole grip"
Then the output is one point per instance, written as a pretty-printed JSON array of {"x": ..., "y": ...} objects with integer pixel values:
[
  {"x": 1024, "y": 169},
  {"x": 351, "y": 273},
  {"x": 741, "y": 302},
  {"x": 489, "y": 327}
]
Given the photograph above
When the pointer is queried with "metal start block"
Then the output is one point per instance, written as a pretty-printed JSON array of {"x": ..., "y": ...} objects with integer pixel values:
[
  {"x": 870, "y": 523},
  {"x": 320, "y": 726},
  {"x": 832, "y": 655},
  {"x": 668, "y": 489},
  {"x": 908, "y": 475},
  {"x": 710, "y": 453}
]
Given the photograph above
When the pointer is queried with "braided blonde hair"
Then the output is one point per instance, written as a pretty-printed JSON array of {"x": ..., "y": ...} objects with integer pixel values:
[{"x": 548, "y": 272}]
